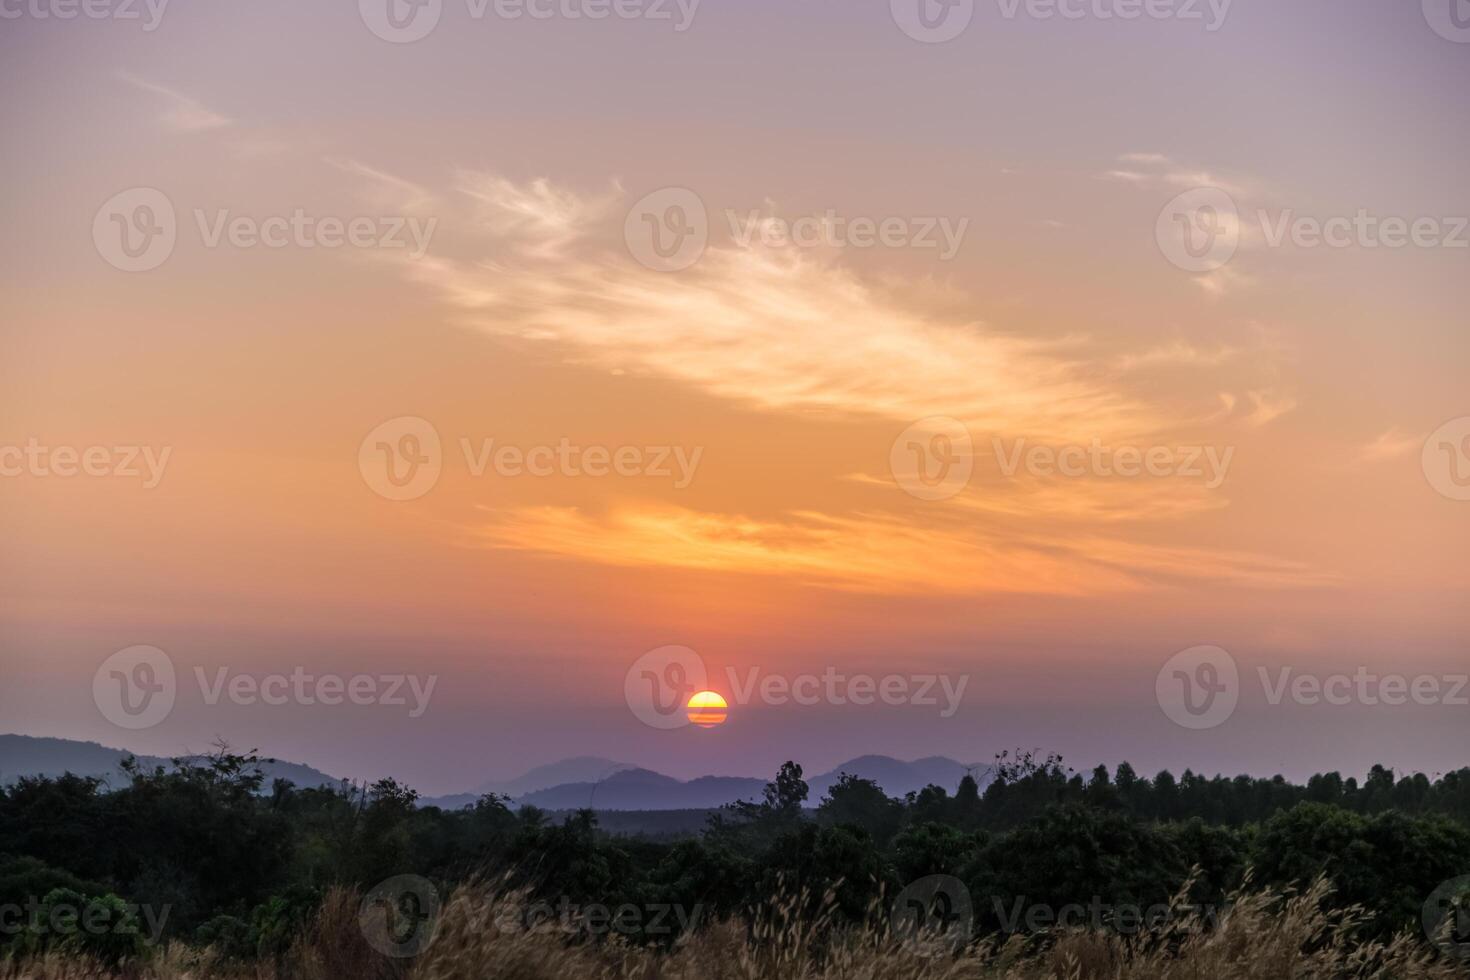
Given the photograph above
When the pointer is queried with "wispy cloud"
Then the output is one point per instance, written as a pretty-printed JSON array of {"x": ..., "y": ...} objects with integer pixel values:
[
  {"x": 1158, "y": 159},
  {"x": 182, "y": 113},
  {"x": 1268, "y": 406},
  {"x": 387, "y": 190},
  {"x": 781, "y": 329},
  {"x": 1389, "y": 445},
  {"x": 1157, "y": 169},
  {"x": 876, "y": 553},
  {"x": 1177, "y": 354}
]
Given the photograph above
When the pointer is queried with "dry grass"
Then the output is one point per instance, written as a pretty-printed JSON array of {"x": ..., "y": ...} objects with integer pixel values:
[{"x": 1261, "y": 936}]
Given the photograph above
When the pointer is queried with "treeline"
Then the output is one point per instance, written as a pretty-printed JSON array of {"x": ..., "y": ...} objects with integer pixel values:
[{"x": 206, "y": 853}]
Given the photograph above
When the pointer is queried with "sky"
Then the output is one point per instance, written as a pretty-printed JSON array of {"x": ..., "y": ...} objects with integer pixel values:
[{"x": 982, "y": 357}]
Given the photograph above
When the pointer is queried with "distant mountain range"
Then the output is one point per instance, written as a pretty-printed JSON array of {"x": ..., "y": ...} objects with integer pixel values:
[
  {"x": 25, "y": 755},
  {"x": 585, "y": 781},
  {"x": 628, "y": 788}
]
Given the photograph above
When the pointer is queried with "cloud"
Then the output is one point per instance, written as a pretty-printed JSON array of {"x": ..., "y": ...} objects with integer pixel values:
[
  {"x": 1150, "y": 158},
  {"x": 184, "y": 114},
  {"x": 1176, "y": 354},
  {"x": 1268, "y": 406},
  {"x": 1159, "y": 170},
  {"x": 1390, "y": 445},
  {"x": 876, "y": 553},
  {"x": 388, "y": 191},
  {"x": 777, "y": 329},
  {"x": 795, "y": 331}
]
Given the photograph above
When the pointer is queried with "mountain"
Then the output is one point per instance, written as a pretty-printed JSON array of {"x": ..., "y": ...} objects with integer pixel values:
[
  {"x": 644, "y": 789},
  {"x": 582, "y": 769},
  {"x": 26, "y": 755},
  {"x": 571, "y": 784}
]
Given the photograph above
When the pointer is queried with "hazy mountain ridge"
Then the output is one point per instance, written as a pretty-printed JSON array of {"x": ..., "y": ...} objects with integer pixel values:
[
  {"x": 29, "y": 755},
  {"x": 644, "y": 789},
  {"x": 569, "y": 784}
]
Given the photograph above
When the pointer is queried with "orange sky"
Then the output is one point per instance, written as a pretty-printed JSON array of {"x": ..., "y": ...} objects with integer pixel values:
[{"x": 786, "y": 372}]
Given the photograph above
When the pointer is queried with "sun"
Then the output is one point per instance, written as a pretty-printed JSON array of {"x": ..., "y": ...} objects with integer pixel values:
[{"x": 706, "y": 709}]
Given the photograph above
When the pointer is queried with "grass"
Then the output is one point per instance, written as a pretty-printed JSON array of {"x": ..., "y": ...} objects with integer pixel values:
[{"x": 1259, "y": 936}]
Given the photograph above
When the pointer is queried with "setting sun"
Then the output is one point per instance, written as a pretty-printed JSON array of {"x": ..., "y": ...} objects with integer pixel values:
[{"x": 707, "y": 709}]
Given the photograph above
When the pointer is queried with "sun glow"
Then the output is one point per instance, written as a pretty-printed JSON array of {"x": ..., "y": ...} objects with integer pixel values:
[{"x": 707, "y": 709}]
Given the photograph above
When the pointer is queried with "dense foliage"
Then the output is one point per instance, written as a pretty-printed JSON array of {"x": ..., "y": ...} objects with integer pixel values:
[{"x": 205, "y": 852}]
